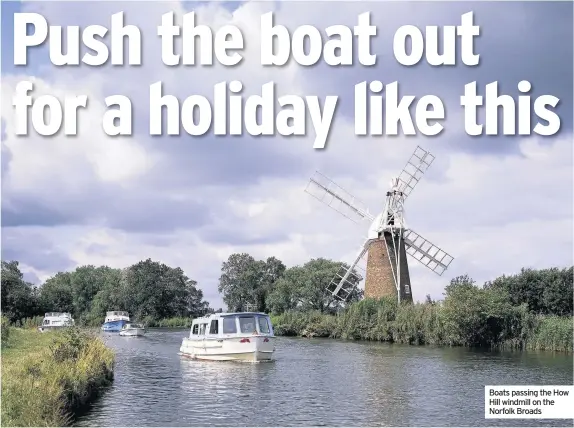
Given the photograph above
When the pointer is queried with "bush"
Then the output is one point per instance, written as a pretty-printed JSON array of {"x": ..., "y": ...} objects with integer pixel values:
[{"x": 30, "y": 323}]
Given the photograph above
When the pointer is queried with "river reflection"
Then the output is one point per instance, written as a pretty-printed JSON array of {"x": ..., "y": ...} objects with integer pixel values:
[{"x": 314, "y": 382}]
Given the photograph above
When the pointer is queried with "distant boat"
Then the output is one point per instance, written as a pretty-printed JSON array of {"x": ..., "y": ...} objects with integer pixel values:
[
  {"x": 114, "y": 321},
  {"x": 56, "y": 320},
  {"x": 239, "y": 336},
  {"x": 132, "y": 329}
]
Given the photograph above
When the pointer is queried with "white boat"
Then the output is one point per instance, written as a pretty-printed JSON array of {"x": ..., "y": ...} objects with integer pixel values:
[
  {"x": 56, "y": 320},
  {"x": 240, "y": 336},
  {"x": 114, "y": 321},
  {"x": 132, "y": 329}
]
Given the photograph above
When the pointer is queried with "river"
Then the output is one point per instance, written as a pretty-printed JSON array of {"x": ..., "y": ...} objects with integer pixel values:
[{"x": 315, "y": 382}]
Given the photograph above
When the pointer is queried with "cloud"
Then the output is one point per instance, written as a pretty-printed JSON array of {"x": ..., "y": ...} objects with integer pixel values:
[{"x": 495, "y": 204}]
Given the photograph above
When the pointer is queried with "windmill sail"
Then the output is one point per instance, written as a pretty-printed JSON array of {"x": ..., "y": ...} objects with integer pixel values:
[
  {"x": 414, "y": 170},
  {"x": 349, "y": 276},
  {"x": 387, "y": 267},
  {"x": 334, "y": 196},
  {"x": 426, "y": 252}
]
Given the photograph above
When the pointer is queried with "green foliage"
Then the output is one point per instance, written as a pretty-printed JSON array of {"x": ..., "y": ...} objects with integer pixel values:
[
  {"x": 492, "y": 323},
  {"x": 148, "y": 289},
  {"x": 47, "y": 376},
  {"x": 517, "y": 311},
  {"x": 545, "y": 291},
  {"x": 152, "y": 290},
  {"x": 553, "y": 334},
  {"x": 303, "y": 288},
  {"x": 69, "y": 345},
  {"x": 19, "y": 298},
  {"x": 30, "y": 323},
  {"x": 175, "y": 322},
  {"x": 245, "y": 282}
]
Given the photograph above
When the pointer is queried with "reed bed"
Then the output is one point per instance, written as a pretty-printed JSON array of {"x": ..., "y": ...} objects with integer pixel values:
[
  {"x": 176, "y": 322},
  {"x": 486, "y": 324}
]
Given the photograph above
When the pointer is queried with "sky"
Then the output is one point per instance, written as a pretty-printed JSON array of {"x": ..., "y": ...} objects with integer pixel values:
[{"x": 496, "y": 204}]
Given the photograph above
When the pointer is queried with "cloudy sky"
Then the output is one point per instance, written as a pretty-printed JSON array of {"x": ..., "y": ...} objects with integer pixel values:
[{"x": 496, "y": 204}]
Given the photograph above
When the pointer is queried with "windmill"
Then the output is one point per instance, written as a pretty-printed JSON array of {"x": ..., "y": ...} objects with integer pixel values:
[{"x": 388, "y": 240}]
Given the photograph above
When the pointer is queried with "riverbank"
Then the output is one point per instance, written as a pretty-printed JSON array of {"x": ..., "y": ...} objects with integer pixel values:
[
  {"x": 492, "y": 326},
  {"x": 175, "y": 322},
  {"x": 46, "y": 377}
]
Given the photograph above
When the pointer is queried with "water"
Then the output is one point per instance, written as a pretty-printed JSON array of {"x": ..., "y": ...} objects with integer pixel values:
[{"x": 315, "y": 382}]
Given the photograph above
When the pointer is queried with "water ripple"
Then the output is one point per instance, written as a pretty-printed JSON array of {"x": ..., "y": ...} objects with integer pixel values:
[{"x": 314, "y": 382}]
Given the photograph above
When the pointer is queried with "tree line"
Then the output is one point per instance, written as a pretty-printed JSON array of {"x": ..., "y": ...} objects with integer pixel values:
[
  {"x": 148, "y": 290},
  {"x": 268, "y": 286}
]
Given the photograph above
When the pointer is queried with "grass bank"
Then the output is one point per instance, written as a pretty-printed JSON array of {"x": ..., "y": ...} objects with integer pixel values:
[
  {"x": 46, "y": 377},
  {"x": 484, "y": 324}
]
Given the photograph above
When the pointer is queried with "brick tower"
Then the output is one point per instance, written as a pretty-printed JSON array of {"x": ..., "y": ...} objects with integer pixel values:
[{"x": 379, "y": 281}]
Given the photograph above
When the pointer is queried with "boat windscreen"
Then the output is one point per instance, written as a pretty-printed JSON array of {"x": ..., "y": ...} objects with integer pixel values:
[
  {"x": 263, "y": 325},
  {"x": 247, "y": 325}
]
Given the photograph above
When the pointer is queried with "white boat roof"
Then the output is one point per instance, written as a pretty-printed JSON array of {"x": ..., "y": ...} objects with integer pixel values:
[
  {"x": 57, "y": 314},
  {"x": 240, "y": 313},
  {"x": 227, "y": 314}
]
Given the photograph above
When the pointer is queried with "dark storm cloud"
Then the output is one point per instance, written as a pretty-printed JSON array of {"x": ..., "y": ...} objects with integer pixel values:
[
  {"x": 33, "y": 249},
  {"x": 154, "y": 213},
  {"x": 31, "y": 213},
  {"x": 518, "y": 41},
  {"x": 125, "y": 210},
  {"x": 226, "y": 162},
  {"x": 239, "y": 235}
]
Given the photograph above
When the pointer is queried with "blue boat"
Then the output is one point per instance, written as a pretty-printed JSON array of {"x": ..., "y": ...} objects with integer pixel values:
[{"x": 115, "y": 320}]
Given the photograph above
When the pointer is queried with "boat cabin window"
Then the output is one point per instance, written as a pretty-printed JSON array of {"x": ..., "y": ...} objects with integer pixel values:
[
  {"x": 195, "y": 329},
  {"x": 213, "y": 327},
  {"x": 229, "y": 326},
  {"x": 247, "y": 325},
  {"x": 46, "y": 322},
  {"x": 202, "y": 328},
  {"x": 263, "y": 325}
]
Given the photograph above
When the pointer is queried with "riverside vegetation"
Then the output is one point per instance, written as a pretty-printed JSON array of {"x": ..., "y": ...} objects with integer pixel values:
[
  {"x": 46, "y": 377},
  {"x": 529, "y": 310}
]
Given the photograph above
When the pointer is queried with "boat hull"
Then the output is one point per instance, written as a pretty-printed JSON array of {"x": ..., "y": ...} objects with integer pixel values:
[
  {"x": 133, "y": 332},
  {"x": 113, "y": 326},
  {"x": 258, "y": 349}
]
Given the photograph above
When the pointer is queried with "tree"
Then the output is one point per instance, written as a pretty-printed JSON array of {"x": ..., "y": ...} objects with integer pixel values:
[
  {"x": 56, "y": 294},
  {"x": 243, "y": 281},
  {"x": 545, "y": 291},
  {"x": 270, "y": 272},
  {"x": 304, "y": 288},
  {"x": 19, "y": 298},
  {"x": 111, "y": 296},
  {"x": 159, "y": 291},
  {"x": 558, "y": 291},
  {"x": 87, "y": 281},
  {"x": 474, "y": 316}
]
